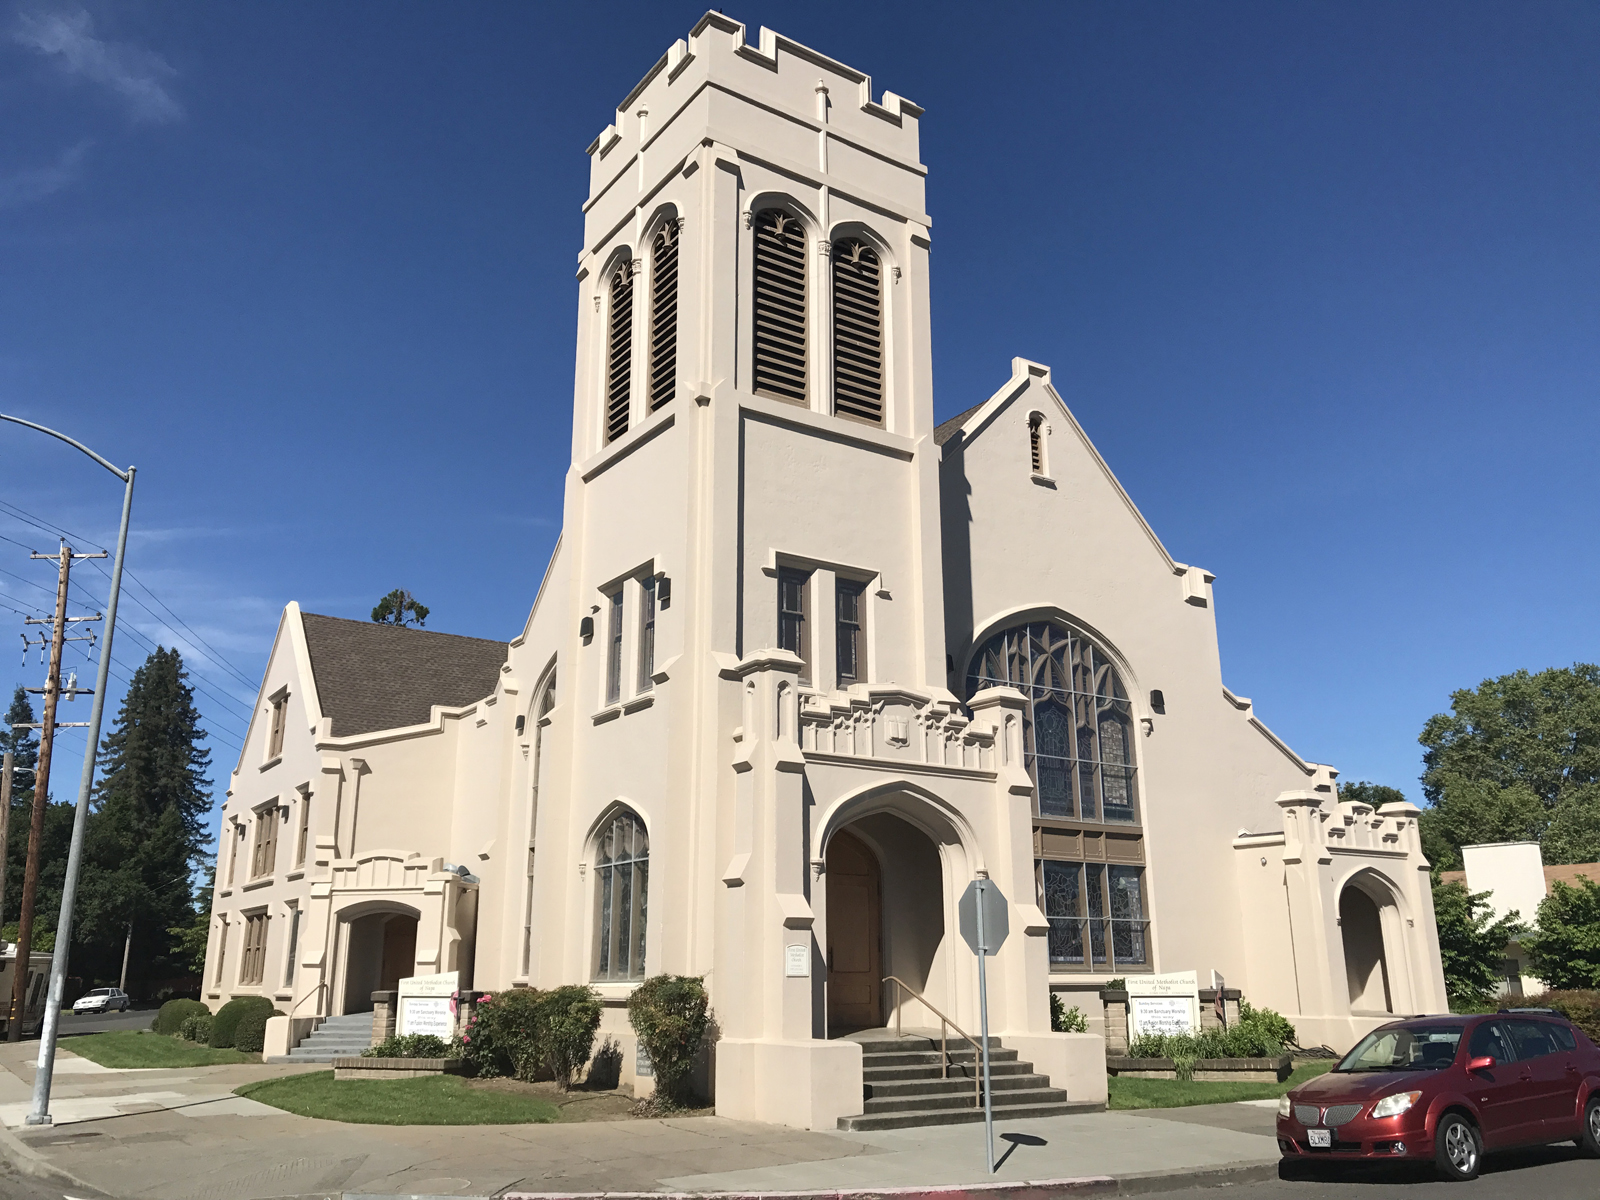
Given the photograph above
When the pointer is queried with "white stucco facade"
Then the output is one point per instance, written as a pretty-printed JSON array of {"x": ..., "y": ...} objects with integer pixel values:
[{"x": 769, "y": 622}]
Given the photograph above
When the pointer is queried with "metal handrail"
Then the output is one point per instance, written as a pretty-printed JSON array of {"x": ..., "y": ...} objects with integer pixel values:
[
  {"x": 316, "y": 991},
  {"x": 944, "y": 1049}
]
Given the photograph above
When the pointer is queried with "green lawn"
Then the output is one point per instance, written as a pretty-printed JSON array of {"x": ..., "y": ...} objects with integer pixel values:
[
  {"x": 1176, "y": 1093},
  {"x": 430, "y": 1100},
  {"x": 139, "y": 1049}
]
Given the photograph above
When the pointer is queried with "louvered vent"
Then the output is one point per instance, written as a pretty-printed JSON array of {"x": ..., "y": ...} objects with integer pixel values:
[
  {"x": 664, "y": 316},
  {"x": 619, "y": 353},
  {"x": 857, "y": 331},
  {"x": 1035, "y": 443},
  {"x": 780, "y": 306}
]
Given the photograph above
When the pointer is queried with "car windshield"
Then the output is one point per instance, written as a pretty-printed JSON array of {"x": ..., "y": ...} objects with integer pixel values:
[
  {"x": 1404, "y": 1048},
  {"x": 101, "y": 992}
]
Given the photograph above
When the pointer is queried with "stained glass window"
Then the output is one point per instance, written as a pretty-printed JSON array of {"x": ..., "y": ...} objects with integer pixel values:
[{"x": 622, "y": 877}]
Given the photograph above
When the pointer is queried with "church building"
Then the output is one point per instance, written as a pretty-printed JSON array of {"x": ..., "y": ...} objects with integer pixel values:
[{"x": 803, "y": 665}]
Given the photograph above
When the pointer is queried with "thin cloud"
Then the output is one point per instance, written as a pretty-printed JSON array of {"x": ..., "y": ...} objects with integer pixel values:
[
  {"x": 18, "y": 188},
  {"x": 138, "y": 76}
]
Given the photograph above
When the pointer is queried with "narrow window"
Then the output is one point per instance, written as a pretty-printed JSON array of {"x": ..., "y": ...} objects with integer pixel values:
[
  {"x": 780, "y": 306},
  {"x": 233, "y": 835},
  {"x": 614, "y": 650},
  {"x": 255, "y": 949},
  {"x": 622, "y": 878},
  {"x": 1127, "y": 916},
  {"x": 301, "y": 844},
  {"x": 222, "y": 950},
  {"x": 1063, "y": 908},
  {"x": 857, "y": 331},
  {"x": 266, "y": 851},
  {"x": 546, "y": 702},
  {"x": 619, "y": 352},
  {"x": 1036, "y": 442},
  {"x": 647, "y": 634},
  {"x": 294, "y": 946},
  {"x": 792, "y": 633},
  {"x": 275, "y": 738},
  {"x": 1095, "y": 886},
  {"x": 664, "y": 315},
  {"x": 848, "y": 632}
]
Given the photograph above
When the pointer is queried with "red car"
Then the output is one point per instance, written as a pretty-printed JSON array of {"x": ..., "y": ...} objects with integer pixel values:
[{"x": 1449, "y": 1089}]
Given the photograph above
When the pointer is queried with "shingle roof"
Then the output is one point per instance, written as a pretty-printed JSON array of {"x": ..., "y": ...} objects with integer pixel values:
[
  {"x": 946, "y": 430},
  {"x": 372, "y": 676}
]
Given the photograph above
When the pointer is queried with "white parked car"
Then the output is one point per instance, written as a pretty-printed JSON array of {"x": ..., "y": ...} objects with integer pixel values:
[{"x": 101, "y": 1000}]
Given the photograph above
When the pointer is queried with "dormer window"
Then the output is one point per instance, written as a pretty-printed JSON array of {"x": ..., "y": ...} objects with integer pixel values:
[
  {"x": 619, "y": 352},
  {"x": 857, "y": 331},
  {"x": 779, "y": 339}
]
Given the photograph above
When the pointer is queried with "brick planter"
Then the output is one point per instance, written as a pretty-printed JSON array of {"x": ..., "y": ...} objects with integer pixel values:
[
  {"x": 1206, "y": 1070},
  {"x": 393, "y": 1068}
]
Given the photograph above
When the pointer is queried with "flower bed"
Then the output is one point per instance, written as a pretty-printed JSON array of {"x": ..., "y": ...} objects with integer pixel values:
[
  {"x": 1205, "y": 1070},
  {"x": 361, "y": 1067}
]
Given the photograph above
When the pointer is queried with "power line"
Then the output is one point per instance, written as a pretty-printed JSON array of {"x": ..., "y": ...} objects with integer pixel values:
[
  {"x": 39, "y": 522},
  {"x": 214, "y": 656}
]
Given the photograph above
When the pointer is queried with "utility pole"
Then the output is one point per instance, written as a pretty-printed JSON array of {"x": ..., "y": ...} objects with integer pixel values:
[
  {"x": 7, "y": 766},
  {"x": 41, "y": 784}
]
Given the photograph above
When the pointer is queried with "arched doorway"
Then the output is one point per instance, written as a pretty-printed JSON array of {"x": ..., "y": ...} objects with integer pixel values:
[
  {"x": 1366, "y": 966},
  {"x": 855, "y": 935},
  {"x": 380, "y": 950}
]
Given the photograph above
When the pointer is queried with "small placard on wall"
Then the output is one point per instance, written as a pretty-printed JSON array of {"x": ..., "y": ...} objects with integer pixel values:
[
  {"x": 641, "y": 1061},
  {"x": 796, "y": 962}
]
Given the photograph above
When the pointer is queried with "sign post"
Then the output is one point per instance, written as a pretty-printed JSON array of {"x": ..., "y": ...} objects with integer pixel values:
[{"x": 985, "y": 923}]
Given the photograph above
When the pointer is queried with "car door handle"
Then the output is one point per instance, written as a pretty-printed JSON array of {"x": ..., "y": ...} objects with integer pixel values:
[{"x": 1527, "y": 1077}]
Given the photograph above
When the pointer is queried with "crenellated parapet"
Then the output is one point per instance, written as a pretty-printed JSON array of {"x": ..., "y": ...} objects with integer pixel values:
[
  {"x": 896, "y": 724},
  {"x": 1317, "y": 826}
]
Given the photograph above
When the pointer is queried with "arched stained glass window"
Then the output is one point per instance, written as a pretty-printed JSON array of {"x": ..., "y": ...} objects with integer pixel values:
[
  {"x": 621, "y": 879},
  {"x": 1078, "y": 722}
]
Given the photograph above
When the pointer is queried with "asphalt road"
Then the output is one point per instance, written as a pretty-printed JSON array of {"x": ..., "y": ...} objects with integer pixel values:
[
  {"x": 134, "y": 1018},
  {"x": 1548, "y": 1173}
]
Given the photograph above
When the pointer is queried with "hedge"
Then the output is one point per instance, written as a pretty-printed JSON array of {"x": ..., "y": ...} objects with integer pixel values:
[
  {"x": 250, "y": 1035},
  {"x": 225, "y": 1025},
  {"x": 171, "y": 1017},
  {"x": 671, "y": 1013}
]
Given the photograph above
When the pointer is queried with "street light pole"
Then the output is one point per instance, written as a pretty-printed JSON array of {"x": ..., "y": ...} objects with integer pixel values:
[{"x": 40, "y": 1114}]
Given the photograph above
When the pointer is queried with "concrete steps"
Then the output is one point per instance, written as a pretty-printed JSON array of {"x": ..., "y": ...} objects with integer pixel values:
[
  {"x": 337, "y": 1037},
  {"x": 906, "y": 1084}
]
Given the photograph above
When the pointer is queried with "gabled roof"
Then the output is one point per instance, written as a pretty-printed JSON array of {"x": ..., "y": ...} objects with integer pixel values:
[
  {"x": 946, "y": 430},
  {"x": 371, "y": 676}
]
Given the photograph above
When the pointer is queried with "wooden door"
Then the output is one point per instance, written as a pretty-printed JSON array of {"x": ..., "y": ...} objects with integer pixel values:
[
  {"x": 855, "y": 936},
  {"x": 399, "y": 952}
]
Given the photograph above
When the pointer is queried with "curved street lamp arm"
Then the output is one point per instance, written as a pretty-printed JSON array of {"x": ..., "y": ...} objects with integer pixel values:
[{"x": 117, "y": 471}]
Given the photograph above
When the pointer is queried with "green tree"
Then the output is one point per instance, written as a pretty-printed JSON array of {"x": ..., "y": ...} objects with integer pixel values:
[
  {"x": 188, "y": 951},
  {"x": 147, "y": 831},
  {"x": 1564, "y": 950},
  {"x": 1471, "y": 942},
  {"x": 1375, "y": 794},
  {"x": 398, "y": 607},
  {"x": 24, "y": 745},
  {"x": 1516, "y": 759}
]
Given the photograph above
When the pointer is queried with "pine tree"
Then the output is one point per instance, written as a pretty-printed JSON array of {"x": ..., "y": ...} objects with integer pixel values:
[
  {"x": 148, "y": 828},
  {"x": 24, "y": 747}
]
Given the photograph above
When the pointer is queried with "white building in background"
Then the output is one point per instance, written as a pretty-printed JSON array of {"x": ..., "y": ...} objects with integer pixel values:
[
  {"x": 801, "y": 667},
  {"x": 1514, "y": 875}
]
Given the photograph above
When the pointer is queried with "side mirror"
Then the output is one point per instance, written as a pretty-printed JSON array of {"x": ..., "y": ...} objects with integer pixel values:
[{"x": 1482, "y": 1063}]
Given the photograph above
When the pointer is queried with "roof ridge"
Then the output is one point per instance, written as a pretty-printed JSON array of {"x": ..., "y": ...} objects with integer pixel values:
[{"x": 466, "y": 637}]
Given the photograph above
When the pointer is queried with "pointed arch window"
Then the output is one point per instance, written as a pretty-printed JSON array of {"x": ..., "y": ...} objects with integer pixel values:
[
  {"x": 1078, "y": 724},
  {"x": 621, "y": 879},
  {"x": 619, "y": 352},
  {"x": 546, "y": 702},
  {"x": 857, "y": 331},
  {"x": 779, "y": 339},
  {"x": 663, "y": 315},
  {"x": 1036, "y": 442}
]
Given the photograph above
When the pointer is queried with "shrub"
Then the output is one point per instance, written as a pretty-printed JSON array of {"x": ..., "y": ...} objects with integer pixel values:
[
  {"x": 226, "y": 1023},
  {"x": 250, "y": 1035},
  {"x": 169, "y": 1020},
  {"x": 525, "y": 1032},
  {"x": 1268, "y": 1025},
  {"x": 671, "y": 1013},
  {"x": 1064, "y": 1019},
  {"x": 409, "y": 1045},
  {"x": 197, "y": 1028},
  {"x": 1258, "y": 1033}
]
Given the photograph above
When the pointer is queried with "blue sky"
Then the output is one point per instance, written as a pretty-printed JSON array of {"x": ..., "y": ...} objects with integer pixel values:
[{"x": 1321, "y": 280}]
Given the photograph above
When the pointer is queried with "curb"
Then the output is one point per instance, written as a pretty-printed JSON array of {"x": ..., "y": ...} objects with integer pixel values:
[
  {"x": 30, "y": 1162},
  {"x": 1142, "y": 1184}
]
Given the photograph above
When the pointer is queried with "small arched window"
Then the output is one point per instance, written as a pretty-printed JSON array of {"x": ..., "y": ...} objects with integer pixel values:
[
  {"x": 621, "y": 885},
  {"x": 664, "y": 315},
  {"x": 1077, "y": 727},
  {"x": 857, "y": 331},
  {"x": 619, "y": 352},
  {"x": 779, "y": 337},
  {"x": 1036, "y": 442}
]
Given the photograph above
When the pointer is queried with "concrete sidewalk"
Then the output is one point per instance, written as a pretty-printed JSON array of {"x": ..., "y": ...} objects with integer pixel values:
[{"x": 181, "y": 1135}]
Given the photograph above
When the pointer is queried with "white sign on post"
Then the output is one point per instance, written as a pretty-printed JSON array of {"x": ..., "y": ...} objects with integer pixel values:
[
  {"x": 425, "y": 1004},
  {"x": 1163, "y": 1003}
]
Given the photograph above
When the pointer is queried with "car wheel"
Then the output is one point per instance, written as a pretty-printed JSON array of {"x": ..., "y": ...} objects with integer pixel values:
[
  {"x": 1589, "y": 1140},
  {"x": 1457, "y": 1149}
]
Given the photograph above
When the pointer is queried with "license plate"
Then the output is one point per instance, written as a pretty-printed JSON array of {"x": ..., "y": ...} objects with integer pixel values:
[{"x": 1319, "y": 1139}]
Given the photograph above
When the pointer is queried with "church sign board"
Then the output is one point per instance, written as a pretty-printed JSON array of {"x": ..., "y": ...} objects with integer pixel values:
[
  {"x": 1163, "y": 1003},
  {"x": 425, "y": 1004}
]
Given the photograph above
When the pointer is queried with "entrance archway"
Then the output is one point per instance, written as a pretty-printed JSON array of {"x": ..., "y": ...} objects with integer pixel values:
[
  {"x": 1366, "y": 965},
  {"x": 855, "y": 935},
  {"x": 380, "y": 950}
]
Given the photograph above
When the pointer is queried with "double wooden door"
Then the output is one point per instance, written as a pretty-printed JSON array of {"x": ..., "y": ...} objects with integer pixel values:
[{"x": 855, "y": 936}]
